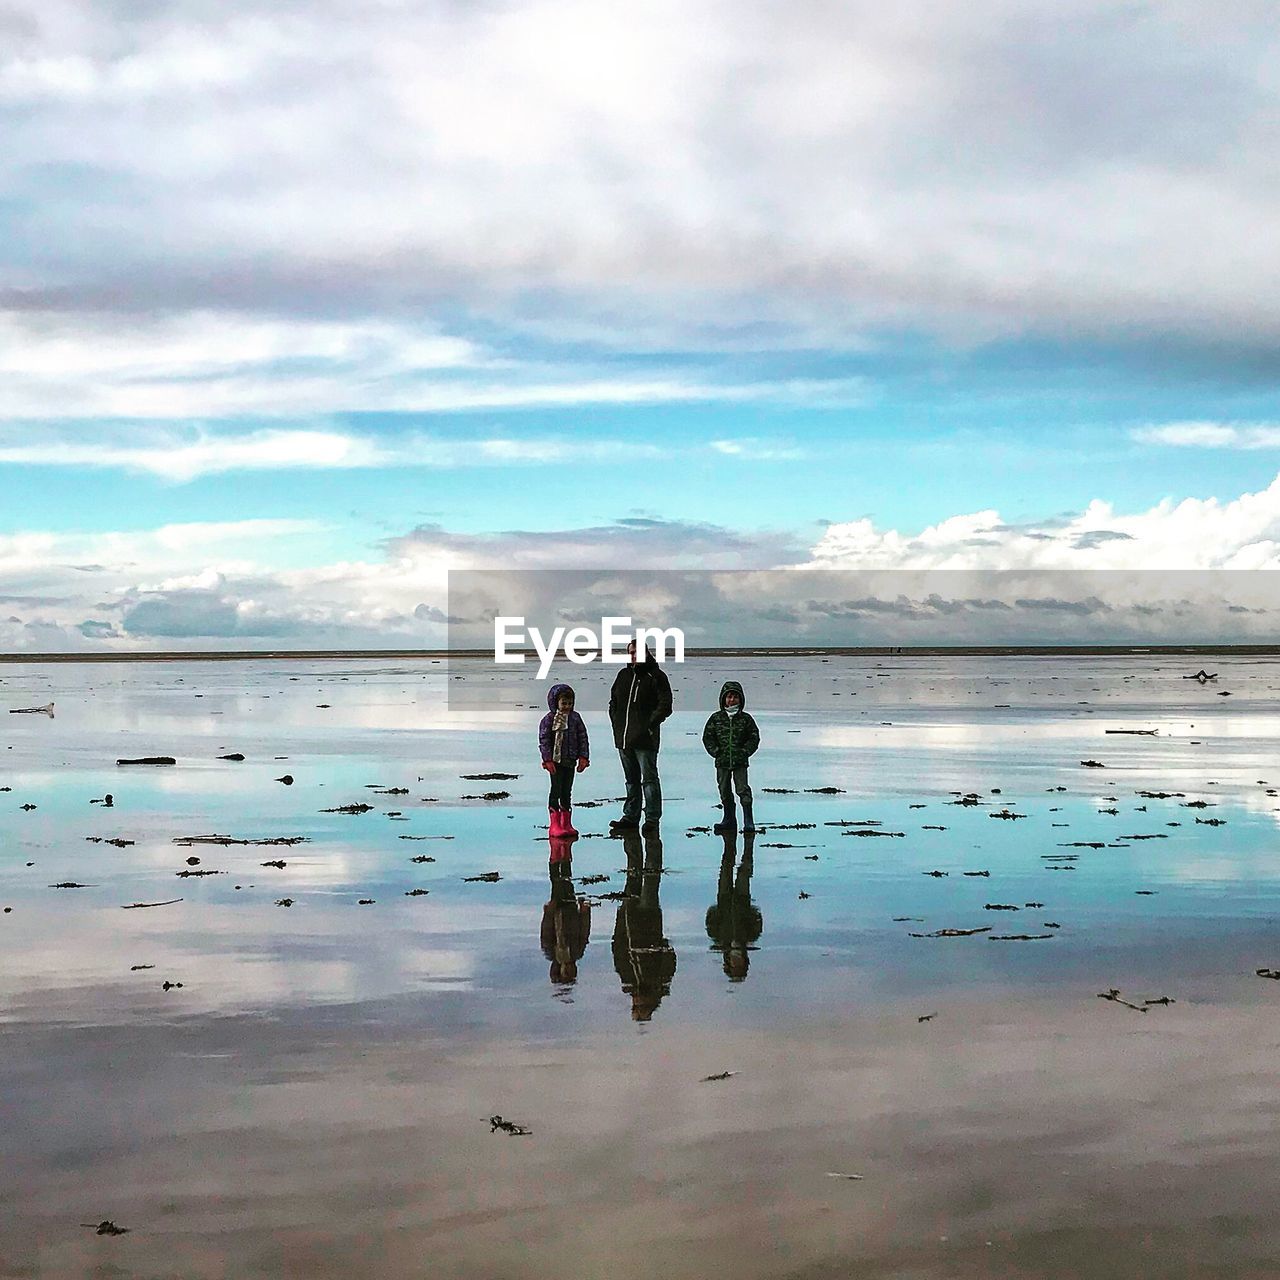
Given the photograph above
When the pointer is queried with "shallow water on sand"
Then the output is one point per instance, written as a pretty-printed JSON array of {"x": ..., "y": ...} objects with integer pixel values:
[{"x": 313, "y": 1099}]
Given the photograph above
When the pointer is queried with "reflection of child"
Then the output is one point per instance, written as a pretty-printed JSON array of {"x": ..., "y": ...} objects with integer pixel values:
[
  {"x": 566, "y": 925},
  {"x": 734, "y": 922},
  {"x": 562, "y": 739}
]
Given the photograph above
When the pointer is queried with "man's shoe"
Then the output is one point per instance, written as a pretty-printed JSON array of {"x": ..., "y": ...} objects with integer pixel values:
[
  {"x": 724, "y": 828},
  {"x": 623, "y": 824}
]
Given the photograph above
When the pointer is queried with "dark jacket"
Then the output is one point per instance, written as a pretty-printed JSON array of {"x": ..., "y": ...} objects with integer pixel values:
[
  {"x": 731, "y": 739},
  {"x": 576, "y": 746},
  {"x": 639, "y": 702}
]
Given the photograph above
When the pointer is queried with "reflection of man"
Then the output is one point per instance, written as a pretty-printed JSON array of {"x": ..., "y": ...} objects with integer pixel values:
[
  {"x": 566, "y": 918},
  {"x": 639, "y": 702},
  {"x": 644, "y": 959},
  {"x": 734, "y": 922}
]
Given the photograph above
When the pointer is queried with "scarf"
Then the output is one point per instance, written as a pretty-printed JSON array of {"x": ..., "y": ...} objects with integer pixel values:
[{"x": 558, "y": 726}]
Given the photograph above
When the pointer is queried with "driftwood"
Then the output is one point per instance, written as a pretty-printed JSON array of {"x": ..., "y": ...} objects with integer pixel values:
[
  {"x": 497, "y": 1123},
  {"x": 485, "y": 877},
  {"x": 46, "y": 710},
  {"x": 283, "y": 841},
  {"x": 951, "y": 933},
  {"x": 106, "y": 1228},
  {"x": 134, "y": 906},
  {"x": 1114, "y": 995},
  {"x": 149, "y": 760}
]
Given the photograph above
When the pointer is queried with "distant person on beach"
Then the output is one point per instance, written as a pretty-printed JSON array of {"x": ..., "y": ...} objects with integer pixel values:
[
  {"x": 562, "y": 740},
  {"x": 731, "y": 736},
  {"x": 734, "y": 922},
  {"x": 638, "y": 704}
]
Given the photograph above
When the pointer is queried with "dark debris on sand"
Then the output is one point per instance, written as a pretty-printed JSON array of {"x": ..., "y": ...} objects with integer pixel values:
[{"x": 498, "y": 1124}]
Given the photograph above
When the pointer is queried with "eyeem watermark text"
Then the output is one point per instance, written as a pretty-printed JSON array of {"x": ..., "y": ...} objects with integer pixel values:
[{"x": 583, "y": 645}]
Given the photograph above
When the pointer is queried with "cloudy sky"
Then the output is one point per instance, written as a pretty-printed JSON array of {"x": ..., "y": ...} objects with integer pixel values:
[{"x": 303, "y": 304}]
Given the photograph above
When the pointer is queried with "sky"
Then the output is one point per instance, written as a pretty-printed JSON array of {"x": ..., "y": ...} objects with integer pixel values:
[{"x": 304, "y": 305}]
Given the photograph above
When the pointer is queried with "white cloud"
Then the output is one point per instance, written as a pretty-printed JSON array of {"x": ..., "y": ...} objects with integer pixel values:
[
  {"x": 1195, "y": 533},
  {"x": 174, "y": 459},
  {"x": 203, "y": 365},
  {"x": 1212, "y": 435},
  {"x": 984, "y": 168},
  {"x": 752, "y": 449},
  {"x": 210, "y": 584}
]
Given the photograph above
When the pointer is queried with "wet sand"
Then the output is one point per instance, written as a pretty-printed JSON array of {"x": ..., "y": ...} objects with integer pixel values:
[{"x": 314, "y": 1099}]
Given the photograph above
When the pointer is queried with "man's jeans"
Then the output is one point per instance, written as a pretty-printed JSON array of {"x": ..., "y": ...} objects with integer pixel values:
[{"x": 640, "y": 769}]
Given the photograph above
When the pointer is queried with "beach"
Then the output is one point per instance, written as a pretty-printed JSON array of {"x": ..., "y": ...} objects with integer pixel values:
[{"x": 877, "y": 1047}]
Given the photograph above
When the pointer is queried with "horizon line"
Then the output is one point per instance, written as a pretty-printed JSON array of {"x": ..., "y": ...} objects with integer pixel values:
[{"x": 728, "y": 651}]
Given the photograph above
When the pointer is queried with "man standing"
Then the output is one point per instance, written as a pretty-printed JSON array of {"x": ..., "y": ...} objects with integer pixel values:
[{"x": 638, "y": 704}]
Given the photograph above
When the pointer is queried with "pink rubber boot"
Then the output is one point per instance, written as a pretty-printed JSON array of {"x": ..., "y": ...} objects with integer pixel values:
[
  {"x": 557, "y": 826},
  {"x": 566, "y": 823}
]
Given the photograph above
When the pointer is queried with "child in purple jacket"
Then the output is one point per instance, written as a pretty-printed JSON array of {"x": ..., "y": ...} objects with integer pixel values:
[{"x": 562, "y": 739}]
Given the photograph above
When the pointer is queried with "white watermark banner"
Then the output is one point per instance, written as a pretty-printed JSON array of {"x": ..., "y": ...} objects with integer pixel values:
[
  {"x": 614, "y": 641},
  {"x": 549, "y": 624}
]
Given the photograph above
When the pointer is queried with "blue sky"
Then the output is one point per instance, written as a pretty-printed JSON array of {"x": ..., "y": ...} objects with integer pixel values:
[{"x": 301, "y": 306}]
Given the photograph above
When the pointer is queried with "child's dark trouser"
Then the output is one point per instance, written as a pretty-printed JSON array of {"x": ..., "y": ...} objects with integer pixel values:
[
  {"x": 738, "y": 778},
  {"x": 561, "y": 787}
]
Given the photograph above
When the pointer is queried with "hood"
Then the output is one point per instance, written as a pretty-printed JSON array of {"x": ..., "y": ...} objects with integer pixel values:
[
  {"x": 553, "y": 695},
  {"x": 732, "y": 686}
]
